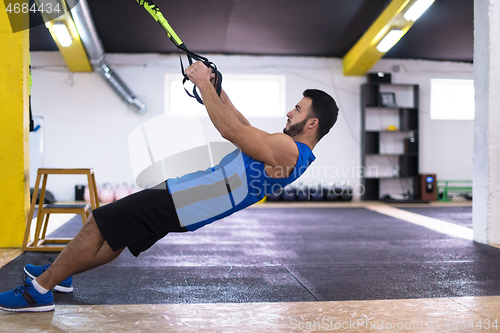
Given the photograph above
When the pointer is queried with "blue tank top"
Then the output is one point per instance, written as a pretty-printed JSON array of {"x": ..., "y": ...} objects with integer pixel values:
[{"x": 237, "y": 182}]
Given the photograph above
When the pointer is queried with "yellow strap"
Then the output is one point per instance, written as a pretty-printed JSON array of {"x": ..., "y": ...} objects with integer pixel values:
[{"x": 158, "y": 16}]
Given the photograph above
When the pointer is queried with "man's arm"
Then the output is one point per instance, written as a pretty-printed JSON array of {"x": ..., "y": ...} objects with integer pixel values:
[
  {"x": 277, "y": 150},
  {"x": 229, "y": 105}
]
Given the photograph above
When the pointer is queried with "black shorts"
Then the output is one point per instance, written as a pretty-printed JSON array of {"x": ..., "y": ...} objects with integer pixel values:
[{"x": 138, "y": 220}]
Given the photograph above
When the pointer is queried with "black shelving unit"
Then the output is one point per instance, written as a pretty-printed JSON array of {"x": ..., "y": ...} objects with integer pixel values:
[{"x": 371, "y": 139}]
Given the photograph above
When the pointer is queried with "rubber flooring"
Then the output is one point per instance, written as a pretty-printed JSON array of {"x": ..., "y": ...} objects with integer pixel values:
[{"x": 285, "y": 255}]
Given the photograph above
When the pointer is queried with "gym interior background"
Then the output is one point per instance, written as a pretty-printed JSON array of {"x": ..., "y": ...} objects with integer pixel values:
[{"x": 282, "y": 266}]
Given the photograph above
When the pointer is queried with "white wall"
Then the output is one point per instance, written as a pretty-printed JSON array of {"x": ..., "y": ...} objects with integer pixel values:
[
  {"x": 445, "y": 145},
  {"x": 86, "y": 124}
]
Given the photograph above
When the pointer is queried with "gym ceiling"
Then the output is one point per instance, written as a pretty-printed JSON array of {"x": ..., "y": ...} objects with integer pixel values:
[{"x": 327, "y": 28}]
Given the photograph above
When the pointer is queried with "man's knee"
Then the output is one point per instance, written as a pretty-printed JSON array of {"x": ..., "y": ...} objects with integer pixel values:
[
  {"x": 90, "y": 219},
  {"x": 91, "y": 225}
]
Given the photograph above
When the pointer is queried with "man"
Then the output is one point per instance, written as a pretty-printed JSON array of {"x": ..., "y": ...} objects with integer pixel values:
[{"x": 262, "y": 162}]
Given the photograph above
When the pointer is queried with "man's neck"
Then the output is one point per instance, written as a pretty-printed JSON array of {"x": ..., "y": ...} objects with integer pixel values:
[{"x": 307, "y": 141}]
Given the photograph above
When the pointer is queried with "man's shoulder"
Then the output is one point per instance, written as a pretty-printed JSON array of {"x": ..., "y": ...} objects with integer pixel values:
[
  {"x": 282, "y": 141},
  {"x": 282, "y": 138},
  {"x": 284, "y": 149}
]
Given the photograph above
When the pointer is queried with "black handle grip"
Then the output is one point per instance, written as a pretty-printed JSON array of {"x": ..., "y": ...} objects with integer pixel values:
[
  {"x": 218, "y": 76},
  {"x": 217, "y": 86}
]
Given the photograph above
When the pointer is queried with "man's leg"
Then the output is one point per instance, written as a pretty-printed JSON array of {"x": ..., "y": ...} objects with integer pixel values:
[
  {"x": 79, "y": 253},
  {"x": 104, "y": 256}
]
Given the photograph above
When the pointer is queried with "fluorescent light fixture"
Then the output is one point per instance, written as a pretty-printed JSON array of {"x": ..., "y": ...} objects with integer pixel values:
[
  {"x": 417, "y": 9},
  {"x": 62, "y": 34},
  {"x": 390, "y": 40}
]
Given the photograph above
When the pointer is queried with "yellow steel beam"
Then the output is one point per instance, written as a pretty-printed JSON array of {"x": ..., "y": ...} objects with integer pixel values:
[
  {"x": 74, "y": 55},
  {"x": 364, "y": 54},
  {"x": 14, "y": 132}
]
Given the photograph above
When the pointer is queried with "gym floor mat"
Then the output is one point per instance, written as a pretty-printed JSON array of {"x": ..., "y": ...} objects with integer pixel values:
[{"x": 285, "y": 255}]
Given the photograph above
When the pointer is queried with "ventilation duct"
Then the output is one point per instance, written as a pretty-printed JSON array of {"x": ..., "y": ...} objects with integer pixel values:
[{"x": 83, "y": 21}]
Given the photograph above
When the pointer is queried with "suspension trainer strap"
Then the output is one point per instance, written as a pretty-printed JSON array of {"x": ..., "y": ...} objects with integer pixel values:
[{"x": 158, "y": 16}]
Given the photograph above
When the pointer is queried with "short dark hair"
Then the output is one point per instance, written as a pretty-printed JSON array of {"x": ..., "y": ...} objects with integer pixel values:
[{"x": 324, "y": 108}]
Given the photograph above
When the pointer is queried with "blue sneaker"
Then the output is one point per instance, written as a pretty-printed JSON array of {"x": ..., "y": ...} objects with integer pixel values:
[
  {"x": 25, "y": 298},
  {"x": 35, "y": 271}
]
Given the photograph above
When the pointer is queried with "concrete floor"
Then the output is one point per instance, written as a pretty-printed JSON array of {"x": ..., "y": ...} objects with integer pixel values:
[{"x": 458, "y": 215}]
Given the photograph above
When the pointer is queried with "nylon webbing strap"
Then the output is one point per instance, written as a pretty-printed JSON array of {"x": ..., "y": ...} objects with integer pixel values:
[{"x": 158, "y": 16}]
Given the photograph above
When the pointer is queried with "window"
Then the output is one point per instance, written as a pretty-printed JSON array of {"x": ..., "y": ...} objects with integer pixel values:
[
  {"x": 452, "y": 99},
  {"x": 255, "y": 96}
]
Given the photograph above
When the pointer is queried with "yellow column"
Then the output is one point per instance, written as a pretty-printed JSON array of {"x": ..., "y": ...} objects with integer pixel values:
[{"x": 14, "y": 132}]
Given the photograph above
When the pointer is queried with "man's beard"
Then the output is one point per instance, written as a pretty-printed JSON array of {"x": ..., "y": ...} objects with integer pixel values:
[{"x": 296, "y": 129}]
